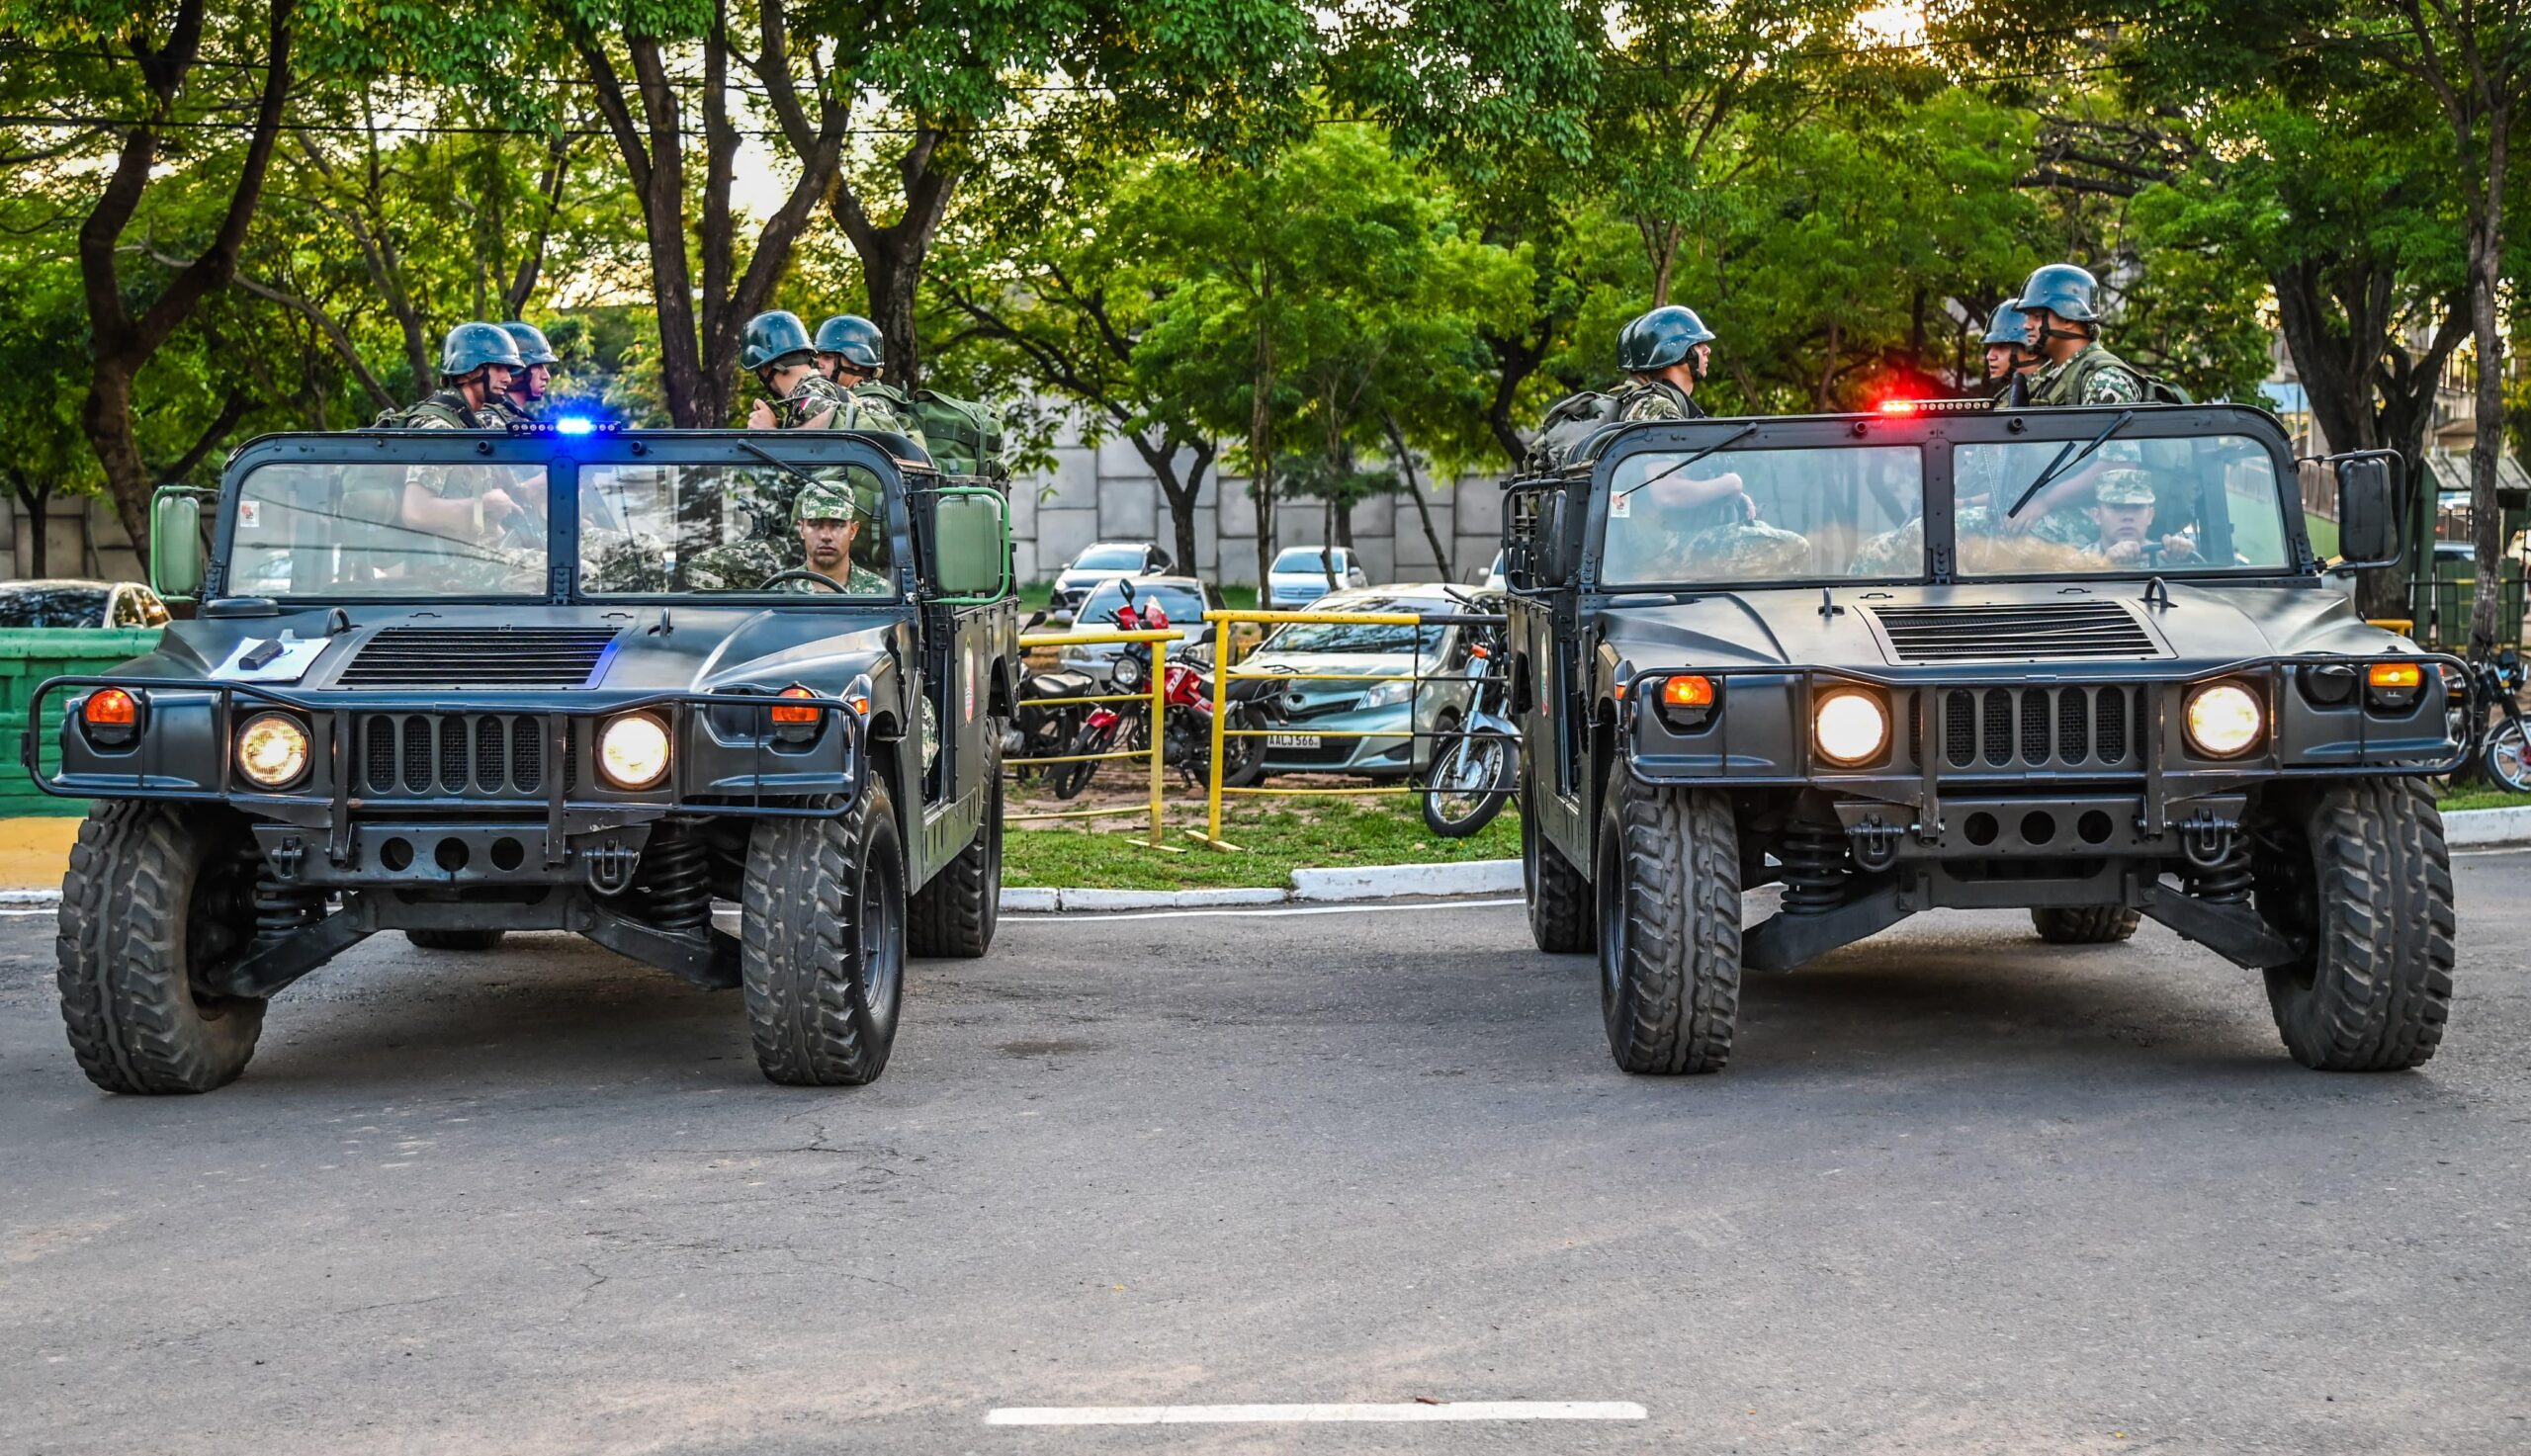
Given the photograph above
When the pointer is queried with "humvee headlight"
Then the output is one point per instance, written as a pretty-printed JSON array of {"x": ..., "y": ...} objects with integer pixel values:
[
  {"x": 633, "y": 751},
  {"x": 2225, "y": 719},
  {"x": 271, "y": 750},
  {"x": 1851, "y": 727}
]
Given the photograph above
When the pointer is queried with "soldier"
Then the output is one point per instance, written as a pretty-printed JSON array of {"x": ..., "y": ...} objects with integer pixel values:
[
  {"x": 2009, "y": 357},
  {"x": 777, "y": 350},
  {"x": 2064, "y": 332},
  {"x": 849, "y": 353},
  {"x": 524, "y": 401},
  {"x": 1666, "y": 352},
  {"x": 469, "y": 503},
  {"x": 2121, "y": 512},
  {"x": 829, "y": 519}
]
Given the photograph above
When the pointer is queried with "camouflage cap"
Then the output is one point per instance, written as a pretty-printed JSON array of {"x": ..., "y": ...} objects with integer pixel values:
[
  {"x": 2124, "y": 487},
  {"x": 827, "y": 500}
]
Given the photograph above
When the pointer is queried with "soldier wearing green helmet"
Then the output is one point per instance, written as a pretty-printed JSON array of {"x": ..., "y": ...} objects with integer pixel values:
[
  {"x": 1665, "y": 353},
  {"x": 2121, "y": 512},
  {"x": 2061, "y": 303},
  {"x": 776, "y": 350},
  {"x": 524, "y": 401},
  {"x": 850, "y": 353},
  {"x": 480, "y": 506},
  {"x": 828, "y": 516}
]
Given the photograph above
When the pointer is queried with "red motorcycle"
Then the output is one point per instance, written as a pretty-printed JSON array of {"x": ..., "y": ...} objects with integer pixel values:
[{"x": 1187, "y": 728}]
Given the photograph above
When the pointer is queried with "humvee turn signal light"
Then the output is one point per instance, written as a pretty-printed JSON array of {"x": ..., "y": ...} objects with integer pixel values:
[
  {"x": 796, "y": 716},
  {"x": 112, "y": 708},
  {"x": 2394, "y": 675},
  {"x": 1686, "y": 702}
]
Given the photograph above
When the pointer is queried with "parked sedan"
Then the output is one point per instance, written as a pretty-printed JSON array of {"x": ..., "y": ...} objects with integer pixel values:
[
  {"x": 1390, "y": 711},
  {"x": 1104, "y": 562},
  {"x": 1301, "y": 574},
  {"x": 1184, "y": 598},
  {"x": 64, "y": 603}
]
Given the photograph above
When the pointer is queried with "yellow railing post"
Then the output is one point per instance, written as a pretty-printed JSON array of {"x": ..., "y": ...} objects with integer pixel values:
[
  {"x": 1223, "y": 661},
  {"x": 1158, "y": 721}
]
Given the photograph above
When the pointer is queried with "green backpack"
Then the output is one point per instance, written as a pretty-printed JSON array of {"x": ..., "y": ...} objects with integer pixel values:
[{"x": 965, "y": 436}]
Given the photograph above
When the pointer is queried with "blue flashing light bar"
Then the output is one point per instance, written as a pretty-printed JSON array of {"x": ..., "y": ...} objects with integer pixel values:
[
  {"x": 566, "y": 424},
  {"x": 573, "y": 424}
]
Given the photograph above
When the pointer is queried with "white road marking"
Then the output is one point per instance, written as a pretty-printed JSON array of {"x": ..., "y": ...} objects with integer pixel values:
[
  {"x": 1075, "y": 919},
  {"x": 1254, "y": 1414}
]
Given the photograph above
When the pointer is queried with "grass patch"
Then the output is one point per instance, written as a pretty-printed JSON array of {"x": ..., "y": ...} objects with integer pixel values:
[
  {"x": 1275, "y": 839},
  {"x": 2481, "y": 798}
]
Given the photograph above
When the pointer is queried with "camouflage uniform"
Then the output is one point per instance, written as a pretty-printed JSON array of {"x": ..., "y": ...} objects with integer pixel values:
[
  {"x": 1656, "y": 400},
  {"x": 1748, "y": 550},
  {"x": 742, "y": 565},
  {"x": 2092, "y": 376},
  {"x": 2130, "y": 487},
  {"x": 886, "y": 407}
]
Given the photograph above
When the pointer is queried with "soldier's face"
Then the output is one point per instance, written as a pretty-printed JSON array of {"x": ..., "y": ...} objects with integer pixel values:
[
  {"x": 2118, "y": 523},
  {"x": 496, "y": 378},
  {"x": 2001, "y": 361},
  {"x": 828, "y": 544},
  {"x": 530, "y": 383}
]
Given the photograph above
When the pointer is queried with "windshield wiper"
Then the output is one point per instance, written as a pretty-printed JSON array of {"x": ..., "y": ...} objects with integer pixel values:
[
  {"x": 2061, "y": 464},
  {"x": 797, "y": 474},
  {"x": 1725, "y": 443}
]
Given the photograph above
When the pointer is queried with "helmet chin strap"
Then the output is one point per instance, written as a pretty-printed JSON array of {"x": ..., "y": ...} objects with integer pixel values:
[{"x": 2046, "y": 332}]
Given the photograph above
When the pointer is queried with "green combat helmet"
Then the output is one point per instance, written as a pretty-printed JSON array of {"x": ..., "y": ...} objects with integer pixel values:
[
  {"x": 774, "y": 338},
  {"x": 2068, "y": 292},
  {"x": 470, "y": 346},
  {"x": 1661, "y": 338},
  {"x": 856, "y": 339},
  {"x": 532, "y": 347}
]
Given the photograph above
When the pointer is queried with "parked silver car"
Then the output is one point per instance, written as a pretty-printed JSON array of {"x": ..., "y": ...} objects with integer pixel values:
[
  {"x": 1301, "y": 574},
  {"x": 1316, "y": 709},
  {"x": 1106, "y": 561}
]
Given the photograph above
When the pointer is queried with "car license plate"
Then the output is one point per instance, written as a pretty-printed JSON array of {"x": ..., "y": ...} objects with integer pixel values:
[{"x": 1291, "y": 741}]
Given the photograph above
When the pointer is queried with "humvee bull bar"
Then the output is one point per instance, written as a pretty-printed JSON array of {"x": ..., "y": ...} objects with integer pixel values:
[
  {"x": 1916, "y": 763},
  {"x": 706, "y": 770}
]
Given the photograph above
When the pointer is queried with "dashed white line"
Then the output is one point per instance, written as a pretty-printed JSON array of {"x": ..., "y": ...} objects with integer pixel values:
[{"x": 1263, "y": 1414}]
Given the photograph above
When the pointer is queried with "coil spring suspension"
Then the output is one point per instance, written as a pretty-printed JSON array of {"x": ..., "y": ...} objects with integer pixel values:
[
  {"x": 2227, "y": 881},
  {"x": 283, "y": 909},
  {"x": 676, "y": 878},
  {"x": 1815, "y": 868}
]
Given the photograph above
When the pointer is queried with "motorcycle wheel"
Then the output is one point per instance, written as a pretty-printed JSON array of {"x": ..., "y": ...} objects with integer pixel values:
[
  {"x": 1244, "y": 759},
  {"x": 1468, "y": 785},
  {"x": 1067, "y": 780},
  {"x": 2506, "y": 755}
]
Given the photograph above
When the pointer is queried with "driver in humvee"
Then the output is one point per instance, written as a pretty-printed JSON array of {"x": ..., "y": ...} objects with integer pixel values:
[
  {"x": 827, "y": 517},
  {"x": 2121, "y": 512}
]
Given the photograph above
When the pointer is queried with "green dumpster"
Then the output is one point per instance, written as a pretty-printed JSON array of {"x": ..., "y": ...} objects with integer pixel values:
[{"x": 28, "y": 656}]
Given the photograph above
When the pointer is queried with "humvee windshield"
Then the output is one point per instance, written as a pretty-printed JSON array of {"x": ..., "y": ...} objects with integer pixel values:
[
  {"x": 1756, "y": 515},
  {"x": 379, "y": 530},
  {"x": 1804, "y": 514},
  {"x": 660, "y": 528}
]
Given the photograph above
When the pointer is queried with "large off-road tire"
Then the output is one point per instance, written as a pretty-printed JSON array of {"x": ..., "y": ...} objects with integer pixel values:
[
  {"x": 1668, "y": 883},
  {"x": 2084, "y": 924},
  {"x": 1559, "y": 897},
  {"x": 822, "y": 947},
  {"x": 956, "y": 912},
  {"x": 155, "y": 896},
  {"x": 455, "y": 940},
  {"x": 2360, "y": 870}
]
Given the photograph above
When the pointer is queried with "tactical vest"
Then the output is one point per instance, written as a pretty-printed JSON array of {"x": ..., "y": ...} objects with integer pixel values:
[
  {"x": 445, "y": 410},
  {"x": 2071, "y": 379},
  {"x": 964, "y": 436}
]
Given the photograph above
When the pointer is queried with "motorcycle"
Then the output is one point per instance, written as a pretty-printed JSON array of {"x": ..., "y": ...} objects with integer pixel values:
[
  {"x": 1187, "y": 724},
  {"x": 1475, "y": 771},
  {"x": 1040, "y": 728}
]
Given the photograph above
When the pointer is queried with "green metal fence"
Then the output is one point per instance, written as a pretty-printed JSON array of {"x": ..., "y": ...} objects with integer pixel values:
[{"x": 29, "y": 656}]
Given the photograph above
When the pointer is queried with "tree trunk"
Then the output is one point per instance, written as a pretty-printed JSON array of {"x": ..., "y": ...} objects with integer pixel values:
[
  {"x": 1181, "y": 493},
  {"x": 37, "y": 498},
  {"x": 1414, "y": 494},
  {"x": 2486, "y": 522}
]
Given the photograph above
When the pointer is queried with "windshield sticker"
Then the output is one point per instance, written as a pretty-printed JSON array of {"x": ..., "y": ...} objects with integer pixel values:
[
  {"x": 250, "y": 515},
  {"x": 1620, "y": 507}
]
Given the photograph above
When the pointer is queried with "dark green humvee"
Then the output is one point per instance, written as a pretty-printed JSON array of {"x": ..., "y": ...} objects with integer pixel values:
[
  {"x": 2079, "y": 661},
  {"x": 458, "y": 684}
]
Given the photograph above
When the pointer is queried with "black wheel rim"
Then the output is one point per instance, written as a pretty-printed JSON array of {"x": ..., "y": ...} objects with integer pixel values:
[{"x": 883, "y": 943}]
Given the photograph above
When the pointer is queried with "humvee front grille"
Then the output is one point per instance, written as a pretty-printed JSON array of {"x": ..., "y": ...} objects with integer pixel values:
[
  {"x": 478, "y": 658},
  {"x": 2075, "y": 726},
  {"x": 418, "y": 756},
  {"x": 2049, "y": 629}
]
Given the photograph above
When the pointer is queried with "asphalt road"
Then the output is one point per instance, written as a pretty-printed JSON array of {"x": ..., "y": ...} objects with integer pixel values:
[{"x": 1959, "y": 1192}]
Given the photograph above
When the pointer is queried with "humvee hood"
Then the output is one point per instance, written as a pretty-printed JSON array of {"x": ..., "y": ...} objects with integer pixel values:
[{"x": 2202, "y": 626}]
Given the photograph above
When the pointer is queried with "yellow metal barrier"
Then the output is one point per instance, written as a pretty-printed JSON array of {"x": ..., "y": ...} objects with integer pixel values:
[
  {"x": 1155, "y": 702},
  {"x": 1225, "y": 672}
]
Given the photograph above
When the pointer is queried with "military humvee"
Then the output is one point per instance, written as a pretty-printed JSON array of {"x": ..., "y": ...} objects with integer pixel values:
[
  {"x": 458, "y": 684},
  {"x": 2080, "y": 661}
]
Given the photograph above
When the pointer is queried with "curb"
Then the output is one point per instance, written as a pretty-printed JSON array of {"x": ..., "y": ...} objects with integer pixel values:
[
  {"x": 2474, "y": 828},
  {"x": 1381, "y": 882}
]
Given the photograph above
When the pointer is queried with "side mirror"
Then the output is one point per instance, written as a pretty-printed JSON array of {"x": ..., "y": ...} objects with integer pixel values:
[
  {"x": 2368, "y": 509},
  {"x": 175, "y": 544},
  {"x": 970, "y": 544}
]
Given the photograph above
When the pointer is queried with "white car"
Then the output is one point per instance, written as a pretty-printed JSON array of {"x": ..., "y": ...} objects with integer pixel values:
[
  {"x": 1301, "y": 576},
  {"x": 1106, "y": 561}
]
